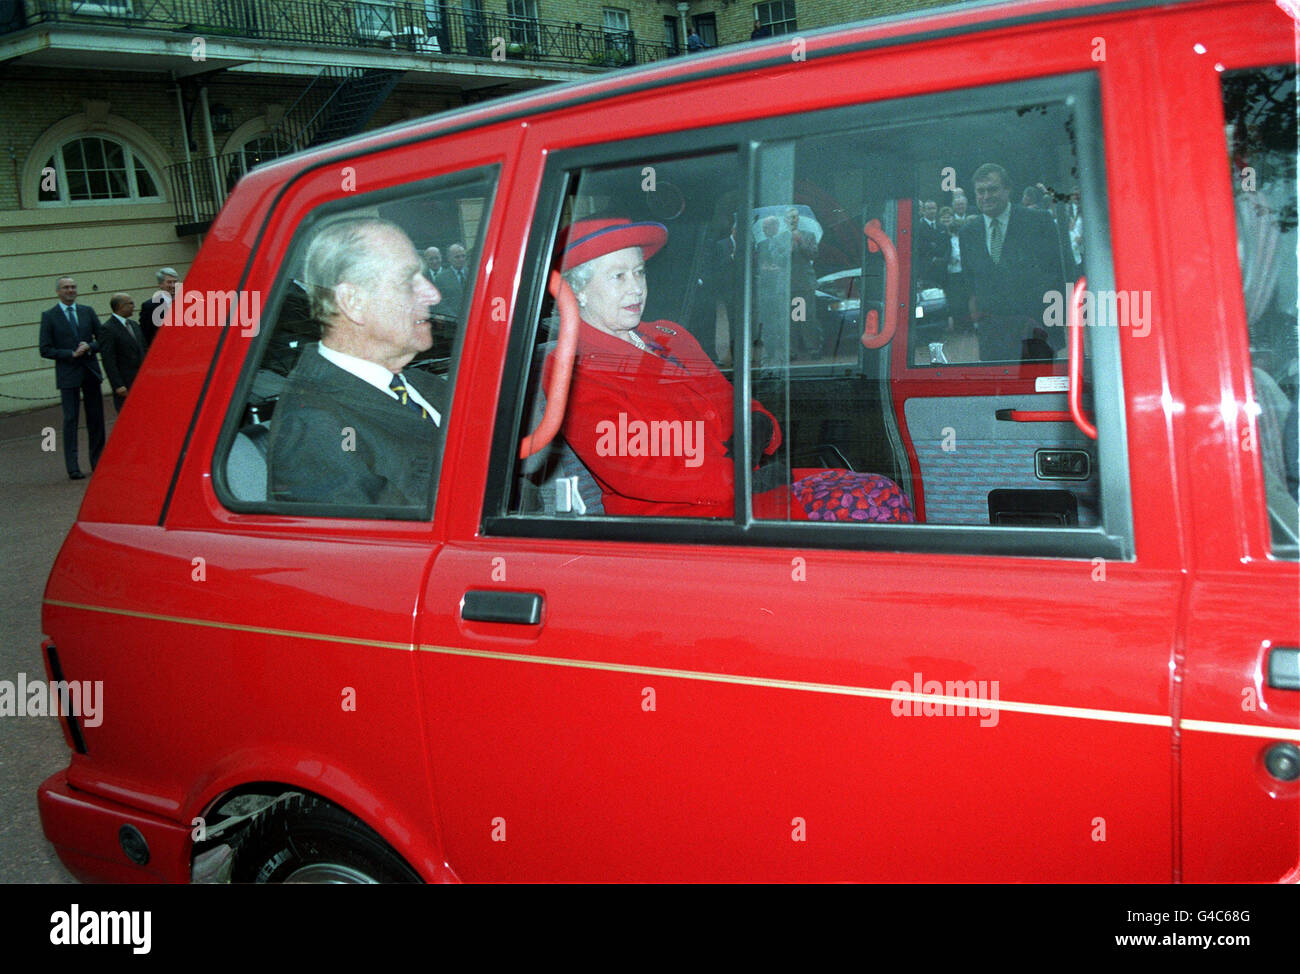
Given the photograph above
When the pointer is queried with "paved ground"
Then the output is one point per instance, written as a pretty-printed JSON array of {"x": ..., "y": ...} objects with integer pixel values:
[{"x": 39, "y": 504}]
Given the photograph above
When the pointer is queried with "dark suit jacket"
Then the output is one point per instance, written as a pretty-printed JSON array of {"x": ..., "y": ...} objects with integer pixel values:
[
  {"x": 931, "y": 253},
  {"x": 147, "y": 324},
  {"x": 395, "y": 452},
  {"x": 1030, "y": 265},
  {"x": 453, "y": 293},
  {"x": 123, "y": 353},
  {"x": 59, "y": 341}
]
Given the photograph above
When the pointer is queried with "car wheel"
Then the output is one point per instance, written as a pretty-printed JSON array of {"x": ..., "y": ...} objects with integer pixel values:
[{"x": 308, "y": 840}]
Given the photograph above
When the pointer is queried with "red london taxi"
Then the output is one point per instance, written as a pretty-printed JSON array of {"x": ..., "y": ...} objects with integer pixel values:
[{"x": 860, "y": 455}]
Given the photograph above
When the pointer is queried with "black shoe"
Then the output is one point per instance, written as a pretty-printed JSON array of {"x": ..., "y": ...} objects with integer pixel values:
[{"x": 76, "y": 475}]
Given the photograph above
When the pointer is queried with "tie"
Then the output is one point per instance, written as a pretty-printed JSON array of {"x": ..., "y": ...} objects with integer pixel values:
[
  {"x": 72, "y": 316},
  {"x": 134, "y": 330},
  {"x": 995, "y": 241},
  {"x": 399, "y": 387}
]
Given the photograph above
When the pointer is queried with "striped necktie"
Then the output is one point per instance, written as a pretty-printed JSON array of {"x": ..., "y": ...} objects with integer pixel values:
[
  {"x": 399, "y": 387},
  {"x": 995, "y": 241}
]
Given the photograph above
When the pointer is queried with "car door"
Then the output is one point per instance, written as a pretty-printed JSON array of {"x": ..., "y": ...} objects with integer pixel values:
[
  {"x": 1240, "y": 720},
  {"x": 651, "y": 698}
]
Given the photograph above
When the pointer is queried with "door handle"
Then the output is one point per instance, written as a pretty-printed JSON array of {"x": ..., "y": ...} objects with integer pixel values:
[
  {"x": 1284, "y": 668},
  {"x": 487, "y": 605}
]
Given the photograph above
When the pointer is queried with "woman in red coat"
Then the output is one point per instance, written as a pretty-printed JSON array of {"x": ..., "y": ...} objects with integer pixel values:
[{"x": 651, "y": 416}]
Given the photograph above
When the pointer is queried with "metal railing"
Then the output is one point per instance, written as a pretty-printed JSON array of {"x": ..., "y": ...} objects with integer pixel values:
[
  {"x": 200, "y": 186},
  {"x": 431, "y": 28}
]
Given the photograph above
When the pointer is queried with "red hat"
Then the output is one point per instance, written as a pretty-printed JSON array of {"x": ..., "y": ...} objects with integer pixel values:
[{"x": 589, "y": 239}]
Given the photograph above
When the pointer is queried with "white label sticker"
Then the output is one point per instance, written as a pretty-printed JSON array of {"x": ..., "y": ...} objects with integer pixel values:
[{"x": 1052, "y": 383}]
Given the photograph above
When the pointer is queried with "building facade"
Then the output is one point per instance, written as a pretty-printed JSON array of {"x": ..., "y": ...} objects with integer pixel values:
[{"x": 128, "y": 121}]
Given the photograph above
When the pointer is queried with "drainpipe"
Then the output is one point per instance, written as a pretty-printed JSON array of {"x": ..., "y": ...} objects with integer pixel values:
[
  {"x": 218, "y": 190},
  {"x": 686, "y": 31},
  {"x": 185, "y": 144}
]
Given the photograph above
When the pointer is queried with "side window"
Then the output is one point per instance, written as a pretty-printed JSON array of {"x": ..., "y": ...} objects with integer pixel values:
[
  {"x": 1260, "y": 110},
  {"x": 777, "y": 326},
  {"x": 955, "y": 411},
  {"x": 345, "y": 410}
]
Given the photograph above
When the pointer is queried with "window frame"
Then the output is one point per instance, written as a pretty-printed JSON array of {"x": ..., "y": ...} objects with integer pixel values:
[
  {"x": 131, "y": 158},
  {"x": 235, "y": 409},
  {"x": 1112, "y": 539},
  {"x": 786, "y": 25}
]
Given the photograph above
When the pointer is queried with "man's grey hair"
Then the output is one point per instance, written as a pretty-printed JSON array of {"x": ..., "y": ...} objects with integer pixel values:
[
  {"x": 166, "y": 272},
  {"x": 58, "y": 281},
  {"x": 340, "y": 252},
  {"x": 992, "y": 169}
]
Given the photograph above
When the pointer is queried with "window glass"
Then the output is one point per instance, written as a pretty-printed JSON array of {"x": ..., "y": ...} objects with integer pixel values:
[
  {"x": 778, "y": 16},
  {"x": 94, "y": 168},
  {"x": 346, "y": 411},
  {"x": 1260, "y": 110},
  {"x": 773, "y": 255}
]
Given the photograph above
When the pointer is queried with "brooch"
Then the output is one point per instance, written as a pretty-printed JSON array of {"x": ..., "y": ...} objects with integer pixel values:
[{"x": 666, "y": 330}]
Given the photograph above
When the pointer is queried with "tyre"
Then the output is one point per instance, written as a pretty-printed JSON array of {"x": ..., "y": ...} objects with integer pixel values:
[{"x": 308, "y": 840}]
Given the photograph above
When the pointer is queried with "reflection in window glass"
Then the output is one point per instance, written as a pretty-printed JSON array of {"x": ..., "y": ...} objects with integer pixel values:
[
  {"x": 984, "y": 215},
  {"x": 1260, "y": 109}
]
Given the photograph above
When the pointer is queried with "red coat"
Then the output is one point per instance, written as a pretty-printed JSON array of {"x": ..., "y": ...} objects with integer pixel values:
[{"x": 651, "y": 426}]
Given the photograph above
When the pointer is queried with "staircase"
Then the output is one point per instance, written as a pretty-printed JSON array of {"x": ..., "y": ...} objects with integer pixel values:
[{"x": 337, "y": 103}]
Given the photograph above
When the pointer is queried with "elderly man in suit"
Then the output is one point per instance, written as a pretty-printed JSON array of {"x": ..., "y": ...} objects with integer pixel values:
[
  {"x": 351, "y": 427},
  {"x": 1010, "y": 262},
  {"x": 122, "y": 347},
  {"x": 70, "y": 336},
  {"x": 451, "y": 281},
  {"x": 152, "y": 311}
]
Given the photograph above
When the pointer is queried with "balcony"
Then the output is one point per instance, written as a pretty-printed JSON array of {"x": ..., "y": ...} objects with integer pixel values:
[{"x": 438, "y": 30}]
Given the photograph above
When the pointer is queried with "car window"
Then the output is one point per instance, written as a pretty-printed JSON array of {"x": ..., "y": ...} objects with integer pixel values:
[
  {"x": 734, "y": 369},
  {"x": 345, "y": 410},
  {"x": 1260, "y": 111}
]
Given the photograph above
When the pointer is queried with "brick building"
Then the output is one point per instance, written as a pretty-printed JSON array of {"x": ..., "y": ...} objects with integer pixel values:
[{"x": 128, "y": 121}]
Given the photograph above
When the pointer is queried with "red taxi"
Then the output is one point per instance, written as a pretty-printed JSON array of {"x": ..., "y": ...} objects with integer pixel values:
[{"x": 1024, "y": 271}]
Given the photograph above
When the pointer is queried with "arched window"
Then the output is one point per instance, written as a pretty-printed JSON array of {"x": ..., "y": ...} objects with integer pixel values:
[
  {"x": 96, "y": 168},
  {"x": 260, "y": 149}
]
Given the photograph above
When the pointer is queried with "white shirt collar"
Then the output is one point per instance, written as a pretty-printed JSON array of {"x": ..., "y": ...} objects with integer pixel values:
[{"x": 376, "y": 375}]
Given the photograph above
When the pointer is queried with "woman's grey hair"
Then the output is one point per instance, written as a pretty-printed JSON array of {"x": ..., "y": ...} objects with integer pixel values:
[
  {"x": 340, "y": 252},
  {"x": 579, "y": 277}
]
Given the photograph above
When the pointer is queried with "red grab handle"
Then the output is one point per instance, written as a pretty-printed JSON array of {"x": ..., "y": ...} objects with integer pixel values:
[
  {"x": 1075, "y": 367},
  {"x": 557, "y": 392},
  {"x": 873, "y": 336}
]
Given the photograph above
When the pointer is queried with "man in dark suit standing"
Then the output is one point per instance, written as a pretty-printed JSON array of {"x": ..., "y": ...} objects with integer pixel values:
[
  {"x": 1010, "y": 260},
  {"x": 70, "y": 336},
  {"x": 351, "y": 427},
  {"x": 931, "y": 248},
  {"x": 153, "y": 310},
  {"x": 122, "y": 346},
  {"x": 450, "y": 282}
]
